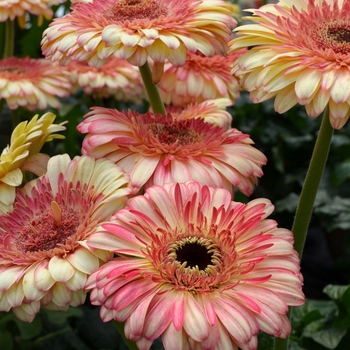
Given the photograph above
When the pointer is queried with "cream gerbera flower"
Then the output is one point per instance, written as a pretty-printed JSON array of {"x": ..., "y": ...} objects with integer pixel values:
[
  {"x": 137, "y": 29},
  {"x": 32, "y": 83},
  {"x": 10, "y": 9},
  {"x": 116, "y": 78},
  {"x": 200, "y": 78},
  {"x": 300, "y": 54},
  {"x": 44, "y": 260},
  {"x": 159, "y": 149},
  {"x": 196, "y": 268},
  {"x": 22, "y": 154}
]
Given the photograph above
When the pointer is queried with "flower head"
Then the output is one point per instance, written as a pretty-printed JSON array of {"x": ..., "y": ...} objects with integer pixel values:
[
  {"x": 116, "y": 78},
  {"x": 32, "y": 83},
  {"x": 158, "y": 149},
  {"x": 196, "y": 268},
  {"x": 10, "y": 9},
  {"x": 22, "y": 154},
  {"x": 298, "y": 63},
  {"x": 200, "y": 78},
  {"x": 44, "y": 260},
  {"x": 137, "y": 29}
]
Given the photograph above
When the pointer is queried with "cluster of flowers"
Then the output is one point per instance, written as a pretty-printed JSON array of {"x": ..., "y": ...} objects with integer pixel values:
[{"x": 145, "y": 218}]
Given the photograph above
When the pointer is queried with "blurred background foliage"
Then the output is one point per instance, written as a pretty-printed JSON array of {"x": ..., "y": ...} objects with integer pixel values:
[{"x": 287, "y": 140}]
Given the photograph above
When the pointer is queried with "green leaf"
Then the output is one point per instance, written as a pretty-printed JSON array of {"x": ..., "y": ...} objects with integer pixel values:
[
  {"x": 335, "y": 292},
  {"x": 29, "y": 330},
  {"x": 60, "y": 317},
  {"x": 329, "y": 338}
]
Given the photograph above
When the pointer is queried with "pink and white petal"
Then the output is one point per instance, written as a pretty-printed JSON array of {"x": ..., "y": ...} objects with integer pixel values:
[
  {"x": 15, "y": 295},
  {"x": 42, "y": 276},
  {"x": 143, "y": 170},
  {"x": 78, "y": 297},
  {"x": 195, "y": 323},
  {"x": 77, "y": 281},
  {"x": 61, "y": 294},
  {"x": 10, "y": 275},
  {"x": 60, "y": 269},
  {"x": 173, "y": 338},
  {"x": 83, "y": 260},
  {"x": 30, "y": 289},
  {"x": 340, "y": 90},
  {"x": 27, "y": 312}
]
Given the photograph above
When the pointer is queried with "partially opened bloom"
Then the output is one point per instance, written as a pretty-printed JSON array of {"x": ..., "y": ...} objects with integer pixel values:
[
  {"x": 158, "y": 149},
  {"x": 44, "y": 260},
  {"x": 23, "y": 154},
  {"x": 196, "y": 268},
  {"x": 300, "y": 54},
  {"x": 116, "y": 78},
  {"x": 11, "y": 9},
  {"x": 32, "y": 83},
  {"x": 200, "y": 78},
  {"x": 212, "y": 111},
  {"x": 137, "y": 29}
]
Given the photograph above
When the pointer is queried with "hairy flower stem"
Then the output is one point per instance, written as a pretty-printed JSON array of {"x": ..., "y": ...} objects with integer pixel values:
[
  {"x": 9, "y": 38},
  {"x": 120, "y": 328},
  {"x": 152, "y": 90},
  {"x": 308, "y": 195}
]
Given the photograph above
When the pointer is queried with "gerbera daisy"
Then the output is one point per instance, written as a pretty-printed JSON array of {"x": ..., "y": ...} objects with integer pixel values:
[
  {"x": 212, "y": 111},
  {"x": 22, "y": 154},
  {"x": 298, "y": 63},
  {"x": 196, "y": 268},
  {"x": 10, "y": 9},
  {"x": 137, "y": 29},
  {"x": 115, "y": 78},
  {"x": 44, "y": 260},
  {"x": 32, "y": 83},
  {"x": 158, "y": 149},
  {"x": 200, "y": 78}
]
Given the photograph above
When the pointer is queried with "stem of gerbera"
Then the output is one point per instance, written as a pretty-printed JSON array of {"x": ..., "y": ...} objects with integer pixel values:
[
  {"x": 120, "y": 328},
  {"x": 152, "y": 90},
  {"x": 9, "y": 38},
  {"x": 308, "y": 195}
]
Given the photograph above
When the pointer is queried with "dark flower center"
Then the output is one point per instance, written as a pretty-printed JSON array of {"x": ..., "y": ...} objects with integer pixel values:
[
  {"x": 194, "y": 254},
  {"x": 178, "y": 133},
  {"x": 128, "y": 10},
  {"x": 45, "y": 231},
  {"x": 334, "y": 36},
  {"x": 13, "y": 69}
]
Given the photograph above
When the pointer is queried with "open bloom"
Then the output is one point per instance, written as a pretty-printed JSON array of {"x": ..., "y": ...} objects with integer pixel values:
[
  {"x": 44, "y": 260},
  {"x": 300, "y": 54},
  {"x": 23, "y": 154},
  {"x": 196, "y": 268},
  {"x": 200, "y": 78},
  {"x": 137, "y": 29},
  {"x": 212, "y": 111},
  {"x": 10, "y": 9},
  {"x": 158, "y": 149},
  {"x": 32, "y": 83},
  {"x": 116, "y": 78}
]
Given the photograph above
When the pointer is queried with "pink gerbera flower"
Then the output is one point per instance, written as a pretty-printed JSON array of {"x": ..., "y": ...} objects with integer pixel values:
[
  {"x": 158, "y": 149},
  {"x": 44, "y": 260},
  {"x": 32, "y": 83},
  {"x": 10, "y": 9},
  {"x": 300, "y": 54},
  {"x": 200, "y": 78},
  {"x": 137, "y": 29},
  {"x": 196, "y": 268},
  {"x": 116, "y": 78},
  {"x": 212, "y": 111}
]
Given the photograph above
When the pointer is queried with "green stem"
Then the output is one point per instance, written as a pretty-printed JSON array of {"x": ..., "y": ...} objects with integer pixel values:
[
  {"x": 308, "y": 195},
  {"x": 312, "y": 181},
  {"x": 120, "y": 328},
  {"x": 9, "y": 38},
  {"x": 152, "y": 90},
  {"x": 52, "y": 335}
]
